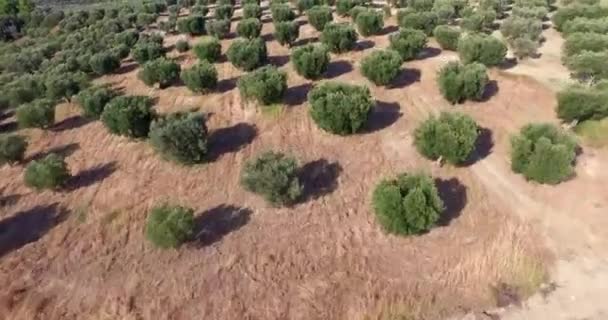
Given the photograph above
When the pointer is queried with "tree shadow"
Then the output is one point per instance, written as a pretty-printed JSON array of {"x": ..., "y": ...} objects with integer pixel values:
[
  {"x": 230, "y": 139},
  {"x": 364, "y": 45},
  {"x": 65, "y": 151},
  {"x": 212, "y": 225},
  {"x": 508, "y": 64},
  {"x": 226, "y": 85},
  {"x": 126, "y": 68},
  {"x": 91, "y": 176},
  {"x": 490, "y": 90},
  {"x": 383, "y": 116},
  {"x": 319, "y": 177},
  {"x": 305, "y": 41},
  {"x": 405, "y": 78},
  {"x": 428, "y": 52},
  {"x": 70, "y": 123},
  {"x": 268, "y": 37},
  {"x": 454, "y": 197},
  {"x": 7, "y": 114},
  {"x": 338, "y": 68},
  {"x": 388, "y": 30},
  {"x": 8, "y": 127},
  {"x": 9, "y": 200},
  {"x": 483, "y": 146},
  {"x": 28, "y": 226},
  {"x": 278, "y": 61},
  {"x": 297, "y": 95}
]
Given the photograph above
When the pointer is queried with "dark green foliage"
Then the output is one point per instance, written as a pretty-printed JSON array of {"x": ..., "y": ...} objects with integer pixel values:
[
  {"x": 128, "y": 116},
  {"x": 286, "y": 32},
  {"x": 447, "y": 37},
  {"x": 538, "y": 13},
  {"x": 281, "y": 12},
  {"x": 162, "y": 71},
  {"x": 120, "y": 51},
  {"x": 170, "y": 226},
  {"x": 582, "y": 103},
  {"x": 354, "y": 12},
  {"x": 340, "y": 108},
  {"x": 589, "y": 65},
  {"x": 543, "y": 153},
  {"x": 208, "y": 49},
  {"x": 369, "y": 22},
  {"x": 199, "y": 10},
  {"x": 408, "y": 42},
  {"x": 249, "y": 28},
  {"x": 304, "y": 5},
  {"x": 339, "y": 37},
  {"x": 451, "y": 136},
  {"x": 180, "y": 137},
  {"x": 145, "y": 19},
  {"x": 479, "y": 21},
  {"x": 182, "y": 46},
  {"x": 193, "y": 25},
  {"x": 578, "y": 42},
  {"x": 343, "y": 7},
  {"x": 61, "y": 85},
  {"x": 425, "y": 21},
  {"x": 514, "y": 27},
  {"x": 381, "y": 66},
  {"x": 104, "y": 63},
  {"x": 565, "y": 14},
  {"x": 128, "y": 38},
  {"x": 319, "y": 16},
  {"x": 146, "y": 51},
  {"x": 201, "y": 77},
  {"x": 408, "y": 204},
  {"x": 94, "y": 99},
  {"x": 247, "y": 54},
  {"x": 311, "y": 60},
  {"x": 219, "y": 28},
  {"x": 265, "y": 85},
  {"x": 274, "y": 176},
  {"x": 12, "y": 148},
  {"x": 480, "y": 48},
  {"x": 252, "y": 11},
  {"x": 580, "y": 24},
  {"x": 523, "y": 47},
  {"x": 224, "y": 12},
  {"x": 24, "y": 89},
  {"x": 420, "y": 5},
  {"x": 459, "y": 82},
  {"x": 36, "y": 114},
  {"x": 50, "y": 172}
]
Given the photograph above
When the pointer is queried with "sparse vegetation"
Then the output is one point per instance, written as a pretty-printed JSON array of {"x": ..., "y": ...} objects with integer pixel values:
[
  {"x": 169, "y": 226},
  {"x": 407, "y": 204},
  {"x": 273, "y": 175}
]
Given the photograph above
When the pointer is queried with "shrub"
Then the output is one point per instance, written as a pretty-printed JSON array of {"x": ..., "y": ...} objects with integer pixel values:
[
  {"x": 543, "y": 153},
  {"x": 266, "y": 85},
  {"x": 481, "y": 20},
  {"x": 247, "y": 54},
  {"x": 578, "y": 42},
  {"x": 170, "y": 226},
  {"x": 12, "y": 148},
  {"x": 224, "y": 12},
  {"x": 481, "y": 48},
  {"x": 339, "y": 37},
  {"x": 447, "y": 37},
  {"x": 93, "y": 100},
  {"x": 208, "y": 49},
  {"x": 182, "y": 46},
  {"x": 589, "y": 65},
  {"x": 147, "y": 51},
  {"x": 311, "y": 60},
  {"x": 354, "y": 12},
  {"x": 369, "y": 22},
  {"x": 104, "y": 63},
  {"x": 50, "y": 172},
  {"x": 199, "y": 10},
  {"x": 381, "y": 66},
  {"x": 281, "y": 12},
  {"x": 408, "y": 204},
  {"x": 343, "y": 7},
  {"x": 304, "y": 5},
  {"x": 274, "y": 176},
  {"x": 582, "y": 103},
  {"x": 128, "y": 116},
  {"x": 180, "y": 137},
  {"x": 445, "y": 11},
  {"x": 523, "y": 47},
  {"x": 420, "y": 5},
  {"x": 340, "y": 108},
  {"x": 425, "y": 21},
  {"x": 219, "y": 28},
  {"x": 565, "y": 14},
  {"x": 162, "y": 71},
  {"x": 24, "y": 89},
  {"x": 193, "y": 25},
  {"x": 201, "y": 77},
  {"x": 286, "y": 32},
  {"x": 120, "y": 51},
  {"x": 319, "y": 16},
  {"x": 408, "y": 43},
  {"x": 63, "y": 85},
  {"x": 538, "y": 13},
  {"x": 459, "y": 82},
  {"x": 36, "y": 114},
  {"x": 249, "y": 28},
  {"x": 514, "y": 27},
  {"x": 252, "y": 11},
  {"x": 581, "y": 24},
  {"x": 451, "y": 136}
]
